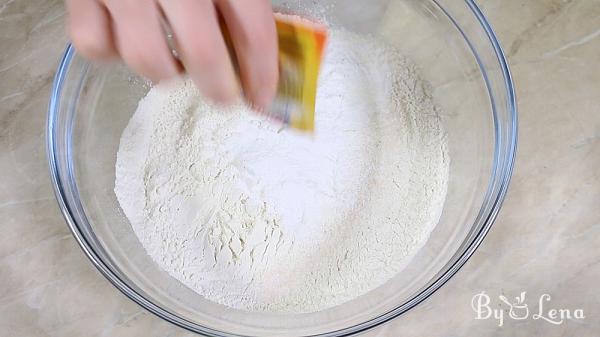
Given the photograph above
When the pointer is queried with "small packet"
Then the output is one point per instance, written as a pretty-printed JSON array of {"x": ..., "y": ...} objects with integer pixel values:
[{"x": 301, "y": 45}]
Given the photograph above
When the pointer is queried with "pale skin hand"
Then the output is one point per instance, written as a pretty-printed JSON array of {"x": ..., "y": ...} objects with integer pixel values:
[{"x": 131, "y": 30}]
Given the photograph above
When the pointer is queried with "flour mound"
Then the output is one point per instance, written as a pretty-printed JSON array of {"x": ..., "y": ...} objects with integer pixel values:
[{"x": 260, "y": 218}]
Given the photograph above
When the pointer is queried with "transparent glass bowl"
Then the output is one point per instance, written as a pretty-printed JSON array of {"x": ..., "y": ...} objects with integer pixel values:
[{"x": 457, "y": 53}]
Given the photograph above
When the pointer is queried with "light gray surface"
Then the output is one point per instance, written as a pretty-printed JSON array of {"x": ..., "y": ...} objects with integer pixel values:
[{"x": 546, "y": 239}]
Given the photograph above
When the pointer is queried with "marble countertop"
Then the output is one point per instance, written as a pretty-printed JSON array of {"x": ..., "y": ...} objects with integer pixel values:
[{"x": 545, "y": 239}]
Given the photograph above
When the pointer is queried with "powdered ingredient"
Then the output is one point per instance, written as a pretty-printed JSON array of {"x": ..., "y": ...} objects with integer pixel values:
[{"x": 260, "y": 218}]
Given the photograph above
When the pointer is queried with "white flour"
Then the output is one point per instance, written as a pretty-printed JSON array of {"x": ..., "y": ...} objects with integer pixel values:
[{"x": 263, "y": 219}]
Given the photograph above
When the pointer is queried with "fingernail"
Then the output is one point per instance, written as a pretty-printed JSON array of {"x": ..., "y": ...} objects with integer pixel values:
[
  {"x": 262, "y": 100},
  {"x": 221, "y": 90}
]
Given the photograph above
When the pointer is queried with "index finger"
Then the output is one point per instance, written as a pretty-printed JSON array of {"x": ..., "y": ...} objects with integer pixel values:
[
  {"x": 201, "y": 47},
  {"x": 251, "y": 25}
]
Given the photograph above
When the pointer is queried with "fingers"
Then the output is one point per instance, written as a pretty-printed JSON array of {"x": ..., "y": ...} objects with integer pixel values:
[
  {"x": 251, "y": 25},
  {"x": 139, "y": 38},
  {"x": 90, "y": 29},
  {"x": 202, "y": 48},
  {"x": 101, "y": 29}
]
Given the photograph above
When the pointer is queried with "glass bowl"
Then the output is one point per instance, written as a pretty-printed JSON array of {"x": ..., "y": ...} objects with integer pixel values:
[{"x": 457, "y": 53}]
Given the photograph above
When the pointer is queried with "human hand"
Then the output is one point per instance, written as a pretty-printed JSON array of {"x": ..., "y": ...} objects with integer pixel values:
[{"x": 132, "y": 30}]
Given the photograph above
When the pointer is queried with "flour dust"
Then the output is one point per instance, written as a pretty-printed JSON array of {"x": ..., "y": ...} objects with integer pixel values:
[{"x": 260, "y": 218}]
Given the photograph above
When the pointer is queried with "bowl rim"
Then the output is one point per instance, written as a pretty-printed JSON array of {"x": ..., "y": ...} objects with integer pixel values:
[{"x": 504, "y": 177}]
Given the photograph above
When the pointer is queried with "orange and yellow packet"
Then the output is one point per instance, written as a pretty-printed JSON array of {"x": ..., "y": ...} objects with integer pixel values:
[{"x": 301, "y": 46}]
